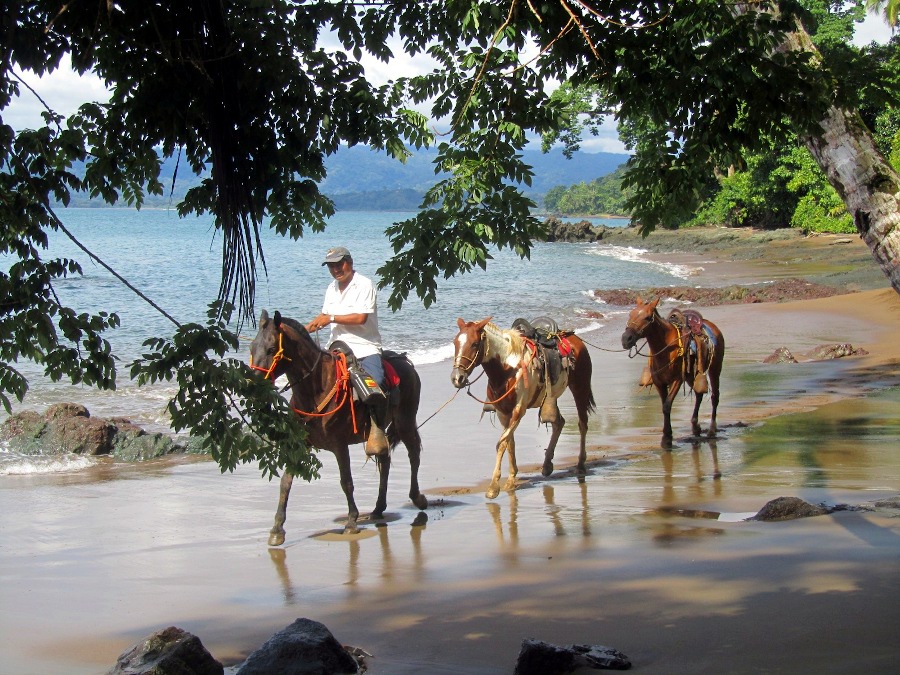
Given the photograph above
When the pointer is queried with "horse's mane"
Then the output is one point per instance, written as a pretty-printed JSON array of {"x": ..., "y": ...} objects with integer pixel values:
[
  {"x": 516, "y": 342},
  {"x": 300, "y": 329}
]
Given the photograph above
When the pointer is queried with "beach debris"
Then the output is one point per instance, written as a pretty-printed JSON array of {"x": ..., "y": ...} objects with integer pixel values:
[
  {"x": 542, "y": 658},
  {"x": 789, "y": 508},
  {"x": 780, "y": 355},
  {"x": 833, "y": 351},
  {"x": 170, "y": 651},
  {"x": 70, "y": 428},
  {"x": 820, "y": 353},
  {"x": 359, "y": 655},
  {"x": 304, "y": 647}
]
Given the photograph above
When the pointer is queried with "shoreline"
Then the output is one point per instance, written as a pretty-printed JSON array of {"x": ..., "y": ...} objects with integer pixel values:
[{"x": 630, "y": 556}]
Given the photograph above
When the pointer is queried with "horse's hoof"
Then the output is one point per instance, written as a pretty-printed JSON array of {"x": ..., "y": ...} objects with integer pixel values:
[
  {"x": 492, "y": 493},
  {"x": 276, "y": 538},
  {"x": 581, "y": 470},
  {"x": 421, "y": 502},
  {"x": 547, "y": 469},
  {"x": 351, "y": 529}
]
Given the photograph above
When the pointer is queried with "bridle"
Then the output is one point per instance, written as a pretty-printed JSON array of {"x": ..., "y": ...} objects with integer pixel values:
[
  {"x": 472, "y": 360},
  {"x": 341, "y": 384},
  {"x": 631, "y": 323},
  {"x": 477, "y": 359},
  {"x": 270, "y": 371}
]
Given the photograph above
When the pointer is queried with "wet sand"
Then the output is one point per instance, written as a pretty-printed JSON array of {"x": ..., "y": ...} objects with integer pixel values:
[{"x": 648, "y": 554}]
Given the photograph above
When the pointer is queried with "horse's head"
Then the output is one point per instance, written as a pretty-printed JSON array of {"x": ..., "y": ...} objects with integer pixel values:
[
  {"x": 266, "y": 349},
  {"x": 638, "y": 321},
  {"x": 468, "y": 350}
]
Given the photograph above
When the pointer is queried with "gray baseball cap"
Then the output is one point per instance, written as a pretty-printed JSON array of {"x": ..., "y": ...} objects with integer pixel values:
[{"x": 336, "y": 254}]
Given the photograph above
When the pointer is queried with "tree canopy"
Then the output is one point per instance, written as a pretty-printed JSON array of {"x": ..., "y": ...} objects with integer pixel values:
[{"x": 261, "y": 92}]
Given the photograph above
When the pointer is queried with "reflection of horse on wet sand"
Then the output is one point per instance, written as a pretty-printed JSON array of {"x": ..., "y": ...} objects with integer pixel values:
[
  {"x": 520, "y": 377},
  {"x": 321, "y": 394},
  {"x": 685, "y": 348}
]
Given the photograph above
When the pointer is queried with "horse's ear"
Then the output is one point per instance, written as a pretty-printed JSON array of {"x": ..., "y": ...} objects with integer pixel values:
[
  {"x": 461, "y": 323},
  {"x": 654, "y": 303},
  {"x": 639, "y": 300},
  {"x": 277, "y": 319},
  {"x": 484, "y": 322},
  {"x": 263, "y": 318}
]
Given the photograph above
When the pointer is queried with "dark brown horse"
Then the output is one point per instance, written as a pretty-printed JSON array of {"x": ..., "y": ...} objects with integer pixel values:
[
  {"x": 673, "y": 361},
  {"x": 517, "y": 382},
  {"x": 283, "y": 346}
]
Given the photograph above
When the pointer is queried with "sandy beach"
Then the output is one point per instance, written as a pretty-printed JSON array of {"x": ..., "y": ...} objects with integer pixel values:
[{"x": 649, "y": 553}]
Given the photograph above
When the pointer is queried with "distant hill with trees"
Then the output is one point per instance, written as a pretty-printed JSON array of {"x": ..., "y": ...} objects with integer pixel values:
[
  {"x": 361, "y": 179},
  {"x": 602, "y": 195}
]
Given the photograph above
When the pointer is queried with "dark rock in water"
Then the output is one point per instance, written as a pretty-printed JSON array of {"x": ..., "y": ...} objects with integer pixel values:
[
  {"x": 780, "y": 355},
  {"x": 171, "y": 651},
  {"x": 788, "y": 508},
  {"x": 582, "y": 231},
  {"x": 542, "y": 658},
  {"x": 69, "y": 428},
  {"x": 306, "y": 647},
  {"x": 833, "y": 351}
]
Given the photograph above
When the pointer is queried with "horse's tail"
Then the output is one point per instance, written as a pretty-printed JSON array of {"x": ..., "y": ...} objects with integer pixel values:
[
  {"x": 580, "y": 377},
  {"x": 403, "y": 426}
]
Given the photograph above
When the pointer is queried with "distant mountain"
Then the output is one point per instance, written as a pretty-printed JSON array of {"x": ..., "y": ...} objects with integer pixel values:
[
  {"x": 361, "y": 179},
  {"x": 360, "y": 169}
]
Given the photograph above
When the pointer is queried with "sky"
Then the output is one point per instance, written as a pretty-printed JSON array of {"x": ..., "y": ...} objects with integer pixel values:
[{"x": 65, "y": 90}]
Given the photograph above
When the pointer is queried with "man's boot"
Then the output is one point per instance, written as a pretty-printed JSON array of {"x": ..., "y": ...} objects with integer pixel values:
[{"x": 377, "y": 442}]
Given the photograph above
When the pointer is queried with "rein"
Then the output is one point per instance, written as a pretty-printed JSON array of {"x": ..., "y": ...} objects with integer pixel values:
[
  {"x": 341, "y": 382},
  {"x": 473, "y": 361},
  {"x": 679, "y": 341}
]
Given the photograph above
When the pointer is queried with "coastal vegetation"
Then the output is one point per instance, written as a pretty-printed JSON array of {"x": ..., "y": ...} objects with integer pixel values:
[
  {"x": 263, "y": 93},
  {"x": 773, "y": 183}
]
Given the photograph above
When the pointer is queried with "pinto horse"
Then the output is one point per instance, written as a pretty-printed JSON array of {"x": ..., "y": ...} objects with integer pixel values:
[
  {"x": 517, "y": 382},
  {"x": 671, "y": 362},
  {"x": 283, "y": 346}
]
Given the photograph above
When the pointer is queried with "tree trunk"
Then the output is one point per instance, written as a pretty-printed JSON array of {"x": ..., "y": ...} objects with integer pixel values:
[
  {"x": 846, "y": 152},
  {"x": 865, "y": 181}
]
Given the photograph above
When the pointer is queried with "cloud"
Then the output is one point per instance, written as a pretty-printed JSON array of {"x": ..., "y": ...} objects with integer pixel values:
[
  {"x": 873, "y": 29},
  {"x": 63, "y": 91}
]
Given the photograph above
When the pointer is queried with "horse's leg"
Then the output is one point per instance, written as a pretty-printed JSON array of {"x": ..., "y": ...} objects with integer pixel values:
[
  {"x": 714, "y": 373},
  {"x": 383, "y": 462},
  {"x": 695, "y": 418},
  {"x": 343, "y": 460},
  {"x": 518, "y": 412},
  {"x": 276, "y": 534},
  {"x": 406, "y": 428},
  {"x": 506, "y": 442},
  {"x": 557, "y": 426},
  {"x": 580, "y": 386},
  {"x": 667, "y": 393}
]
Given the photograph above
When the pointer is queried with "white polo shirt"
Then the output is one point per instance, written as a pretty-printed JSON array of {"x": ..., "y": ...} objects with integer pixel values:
[{"x": 358, "y": 298}]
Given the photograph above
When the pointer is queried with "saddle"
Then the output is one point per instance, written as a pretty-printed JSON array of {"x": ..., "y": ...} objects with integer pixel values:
[
  {"x": 554, "y": 349},
  {"x": 696, "y": 344},
  {"x": 364, "y": 387}
]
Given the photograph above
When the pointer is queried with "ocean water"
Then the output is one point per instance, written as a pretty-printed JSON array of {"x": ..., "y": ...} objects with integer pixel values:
[{"x": 176, "y": 263}]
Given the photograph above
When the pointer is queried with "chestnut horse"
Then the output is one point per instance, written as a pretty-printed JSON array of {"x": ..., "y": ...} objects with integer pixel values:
[
  {"x": 517, "y": 382},
  {"x": 671, "y": 362},
  {"x": 283, "y": 346}
]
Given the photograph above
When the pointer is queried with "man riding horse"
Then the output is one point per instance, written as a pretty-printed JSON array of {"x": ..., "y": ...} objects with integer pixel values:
[{"x": 350, "y": 308}]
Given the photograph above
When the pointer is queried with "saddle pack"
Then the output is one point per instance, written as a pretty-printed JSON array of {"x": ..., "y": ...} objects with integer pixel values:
[
  {"x": 696, "y": 341},
  {"x": 365, "y": 388}
]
